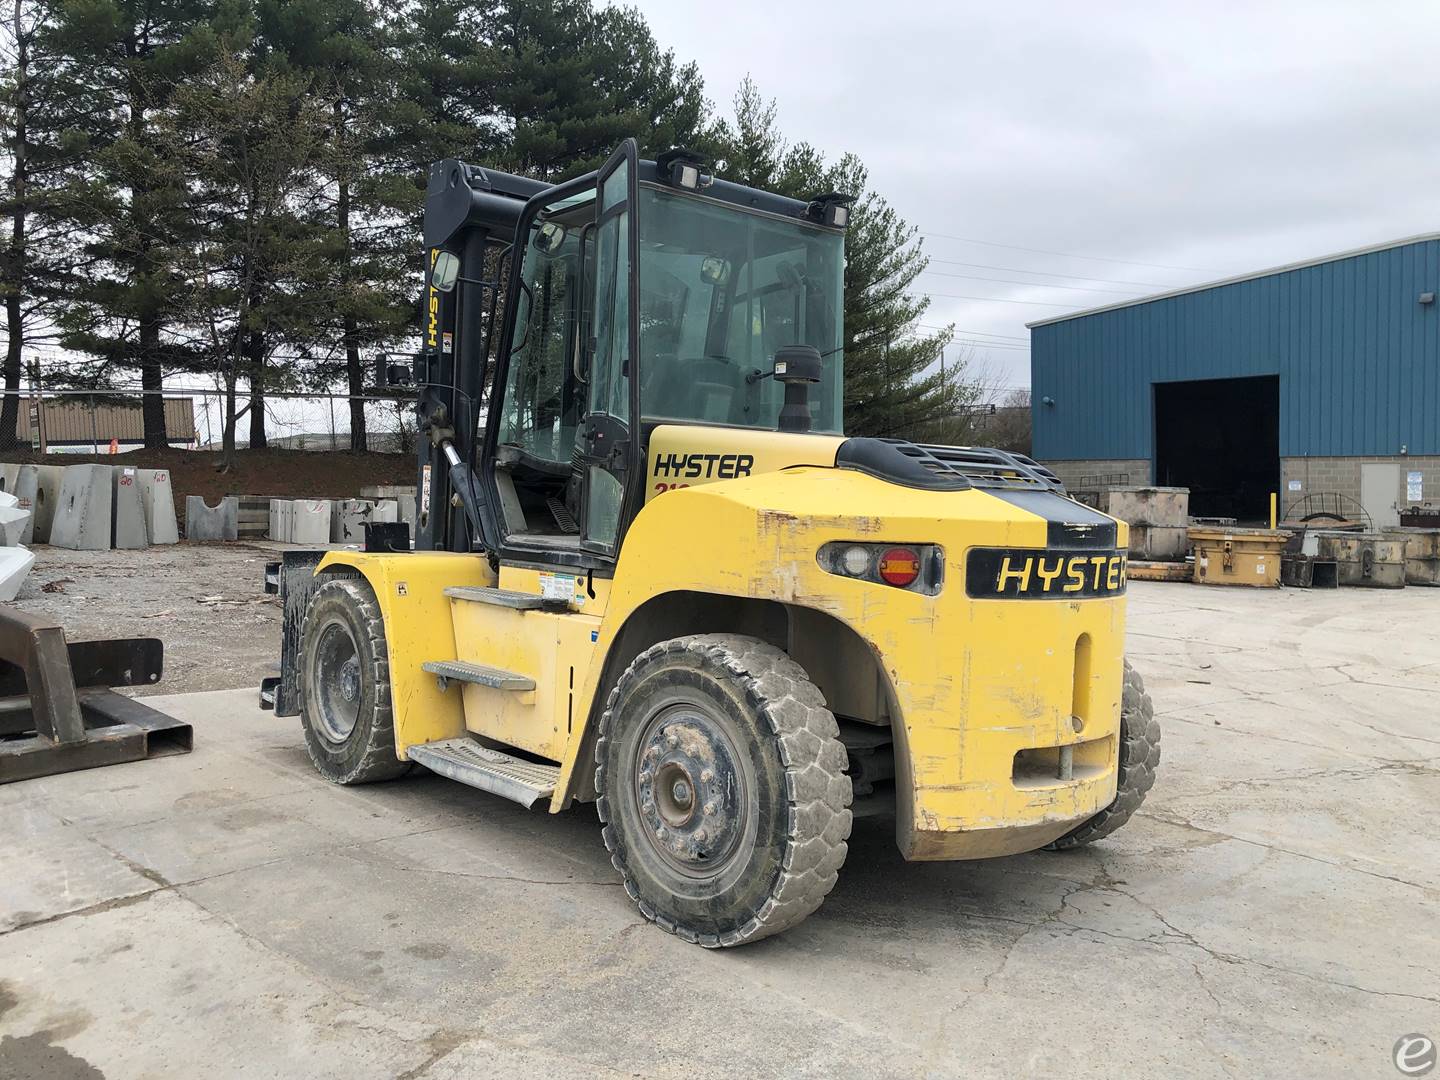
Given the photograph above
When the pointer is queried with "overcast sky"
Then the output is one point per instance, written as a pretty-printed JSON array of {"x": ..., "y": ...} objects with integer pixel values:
[{"x": 1202, "y": 140}]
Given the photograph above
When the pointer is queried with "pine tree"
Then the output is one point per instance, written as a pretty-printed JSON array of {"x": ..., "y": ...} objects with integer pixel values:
[
  {"x": 127, "y": 59},
  {"x": 46, "y": 187},
  {"x": 247, "y": 145},
  {"x": 893, "y": 384},
  {"x": 362, "y": 297}
]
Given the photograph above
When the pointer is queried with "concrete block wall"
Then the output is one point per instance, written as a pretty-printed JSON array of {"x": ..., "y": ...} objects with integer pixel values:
[
  {"x": 1072, "y": 472},
  {"x": 1342, "y": 474}
]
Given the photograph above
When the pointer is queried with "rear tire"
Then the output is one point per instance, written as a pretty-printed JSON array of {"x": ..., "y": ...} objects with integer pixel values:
[
  {"x": 345, "y": 686},
  {"x": 1139, "y": 755},
  {"x": 722, "y": 789}
]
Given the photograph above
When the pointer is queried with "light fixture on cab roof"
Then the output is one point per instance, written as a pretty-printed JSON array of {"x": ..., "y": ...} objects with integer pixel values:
[{"x": 683, "y": 169}]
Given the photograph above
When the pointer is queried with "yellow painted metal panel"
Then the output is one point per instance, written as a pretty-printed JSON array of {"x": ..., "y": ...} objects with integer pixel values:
[
  {"x": 542, "y": 645},
  {"x": 411, "y": 591},
  {"x": 682, "y": 457},
  {"x": 975, "y": 681}
]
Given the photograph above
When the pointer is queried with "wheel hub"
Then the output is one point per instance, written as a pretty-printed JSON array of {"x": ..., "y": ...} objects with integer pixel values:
[
  {"x": 350, "y": 679},
  {"x": 337, "y": 672},
  {"x": 689, "y": 790}
]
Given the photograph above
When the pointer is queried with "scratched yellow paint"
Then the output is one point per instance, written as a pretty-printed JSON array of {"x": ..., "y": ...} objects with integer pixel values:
[
  {"x": 973, "y": 681},
  {"x": 411, "y": 591},
  {"x": 683, "y": 457}
]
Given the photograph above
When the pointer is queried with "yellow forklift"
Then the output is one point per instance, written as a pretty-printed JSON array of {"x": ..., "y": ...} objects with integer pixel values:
[{"x": 651, "y": 572}]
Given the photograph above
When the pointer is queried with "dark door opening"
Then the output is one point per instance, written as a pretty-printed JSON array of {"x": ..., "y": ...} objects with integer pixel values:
[{"x": 1221, "y": 439}]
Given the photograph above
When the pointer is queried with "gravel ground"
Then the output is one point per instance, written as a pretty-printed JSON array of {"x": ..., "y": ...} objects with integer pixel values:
[{"x": 206, "y": 602}]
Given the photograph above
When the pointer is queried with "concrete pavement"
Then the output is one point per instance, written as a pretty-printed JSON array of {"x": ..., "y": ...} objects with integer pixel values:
[{"x": 1274, "y": 908}]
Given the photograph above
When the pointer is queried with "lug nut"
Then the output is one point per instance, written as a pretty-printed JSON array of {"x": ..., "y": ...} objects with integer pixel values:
[
  {"x": 671, "y": 739},
  {"x": 710, "y": 808},
  {"x": 660, "y": 833},
  {"x": 706, "y": 776}
]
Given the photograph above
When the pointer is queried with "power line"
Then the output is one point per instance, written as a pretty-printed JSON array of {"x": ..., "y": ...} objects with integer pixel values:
[
  {"x": 1051, "y": 273},
  {"x": 994, "y": 299},
  {"x": 973, "y": 333},
  {"x": 1072, "y": 255},
  {"x": 1031, "y": 284}
]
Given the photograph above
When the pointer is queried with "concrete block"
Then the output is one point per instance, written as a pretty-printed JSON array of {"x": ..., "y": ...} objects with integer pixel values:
[
  {"x": 127, "y": 510},
  {"x": 309, "y": 521},
  {"x": 348, "y": 524},
  {"x": 26, "y": 488},
  {"x": 1168, "y": 507},
  {"x": 15, "y": 563},
  {"x": 403, "y": 495},
  {"x": 13, "y": 522},
  {"x": 8, "y": 501},
  {"x": 49, "y": 480},
  {"x": 8, "y": 473},
  {"x": 204, "y": 523},
  {"x": 82, "y": 514},
  {"x": 279, "y": 520},
  {"x": 157, "y": 500}
]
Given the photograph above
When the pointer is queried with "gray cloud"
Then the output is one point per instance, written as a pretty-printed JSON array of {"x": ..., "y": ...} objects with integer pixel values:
[{"x": 1226, "y": 137}]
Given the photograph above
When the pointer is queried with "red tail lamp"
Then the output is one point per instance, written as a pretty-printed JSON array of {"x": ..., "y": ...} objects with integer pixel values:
[{"x": 899, "y": 566}]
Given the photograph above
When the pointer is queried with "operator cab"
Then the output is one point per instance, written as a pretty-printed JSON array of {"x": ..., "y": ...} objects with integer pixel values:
[{"x": 632, "y": 295}]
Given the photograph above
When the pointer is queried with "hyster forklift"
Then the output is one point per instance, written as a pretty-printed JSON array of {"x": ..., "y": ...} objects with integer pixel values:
[{"x": 650, "y": 570}]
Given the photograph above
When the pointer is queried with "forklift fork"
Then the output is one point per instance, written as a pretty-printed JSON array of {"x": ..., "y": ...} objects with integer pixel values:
[{"x": 57, "y": 711}]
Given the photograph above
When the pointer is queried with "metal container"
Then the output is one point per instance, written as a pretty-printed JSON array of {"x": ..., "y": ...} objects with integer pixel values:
[
  {"x": 1306, "y": 572},
  {"x": 1369, "y": 560},
  {"x": 1160, "y": 543},
  {"x": 1422, "y": 553},
  {"x": 1238, "y": 556}
]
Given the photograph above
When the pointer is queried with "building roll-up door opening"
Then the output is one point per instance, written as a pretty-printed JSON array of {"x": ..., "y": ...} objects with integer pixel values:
[{"x": 1221, "y": 439}]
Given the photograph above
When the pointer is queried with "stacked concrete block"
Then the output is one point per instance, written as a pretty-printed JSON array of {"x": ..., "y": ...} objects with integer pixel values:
[
  {"x": 253, "y": 520},
  {"x": 157, "y": 502},
  {"x": 82, "y": 514},
  {"x": 204, "y": 523},
  {"x": 15, "y": 563},
  {"x": 348, "y": 524},
  {"x": 403, "y": 495},
  {"x": 49, "y": 481},
  {"x": 127, "y": 510},
  {"x": 280, "y": 520}
]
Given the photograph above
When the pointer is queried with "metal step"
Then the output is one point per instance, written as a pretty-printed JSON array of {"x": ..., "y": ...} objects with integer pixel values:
[
  {"x": 495, "y": 771},
  {"x": 480, "y": 674},
  {"x": 484, "y": 594}
]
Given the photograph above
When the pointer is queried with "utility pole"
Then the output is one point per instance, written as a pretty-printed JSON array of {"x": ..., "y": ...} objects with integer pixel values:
[{"x": 37, "y": 411}]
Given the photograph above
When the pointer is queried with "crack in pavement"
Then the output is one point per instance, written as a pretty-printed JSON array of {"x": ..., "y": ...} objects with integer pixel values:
[{"x": 1182, "y": 823}]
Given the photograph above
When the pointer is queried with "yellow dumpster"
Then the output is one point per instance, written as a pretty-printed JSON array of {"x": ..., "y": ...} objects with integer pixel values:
[{"x": 1227, "y": 556}]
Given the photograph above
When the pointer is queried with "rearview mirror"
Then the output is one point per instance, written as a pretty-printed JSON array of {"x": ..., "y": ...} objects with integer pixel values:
[
  {"x": 549, "y": 238},
  {"x": 714, "y": 270},
  {"x": 444, "y": 271}
]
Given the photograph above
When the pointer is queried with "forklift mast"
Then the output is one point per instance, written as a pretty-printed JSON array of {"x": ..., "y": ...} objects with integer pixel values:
[{"x": 472, "y": 213}]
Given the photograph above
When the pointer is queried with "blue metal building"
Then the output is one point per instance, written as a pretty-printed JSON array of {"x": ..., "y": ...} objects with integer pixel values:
[{"x": 1310, "y": 379}]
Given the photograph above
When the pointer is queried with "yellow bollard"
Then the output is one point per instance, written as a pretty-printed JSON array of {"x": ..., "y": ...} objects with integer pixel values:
[{"x": 1273, "y": 498}]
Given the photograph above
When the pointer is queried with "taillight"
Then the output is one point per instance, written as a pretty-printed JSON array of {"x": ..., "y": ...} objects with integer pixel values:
[
  {"x": 912, "y": 567},
  {"x": 899, "y": 567}
]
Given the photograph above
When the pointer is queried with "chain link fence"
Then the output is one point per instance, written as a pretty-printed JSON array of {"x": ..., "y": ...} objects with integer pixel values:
[{"x": 94, "y": 422}]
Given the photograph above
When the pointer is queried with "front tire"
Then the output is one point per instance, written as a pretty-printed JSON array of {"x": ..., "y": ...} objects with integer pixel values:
[
  {"x": 722, "y": 789},
  {"x": 345, "y": 689},
  {"x": 1139, "y": 755}
]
